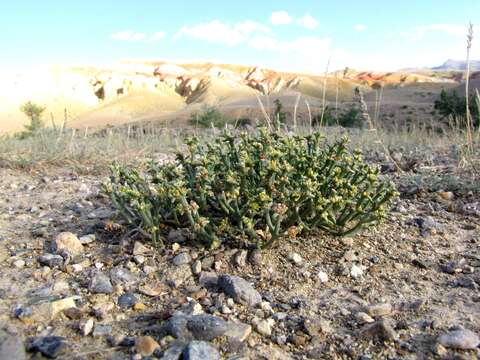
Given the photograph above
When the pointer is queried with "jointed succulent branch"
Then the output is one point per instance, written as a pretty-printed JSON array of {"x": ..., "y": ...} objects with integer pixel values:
[{"x": 257, "y": 187}]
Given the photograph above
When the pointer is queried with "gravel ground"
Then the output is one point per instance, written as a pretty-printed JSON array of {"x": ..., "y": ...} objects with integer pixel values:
[{"x": 406, "y": 290}]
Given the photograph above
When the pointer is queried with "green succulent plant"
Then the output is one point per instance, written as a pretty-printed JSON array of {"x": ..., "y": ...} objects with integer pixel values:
[{"x": 259, "y": 187}]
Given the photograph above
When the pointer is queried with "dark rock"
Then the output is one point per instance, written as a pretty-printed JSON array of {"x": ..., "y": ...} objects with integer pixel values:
[
  {"x": 50, "y": 260},
  {"x": 239, "y": 289},
  {"x": 176, "y": 236},
  {"x": 200, "y": 350},
  {"x": 100, "y": 284},
  {"x": 381, "y": 329},
  {"x": 73, "y": 313},
  {"x": 174, "y": 351},
  {"x": 102, "y": 330},
  {"x": 48, "y": 346},
  {"x": 422, "y": 264},
  {"x": 126, "y": 301},
  {"x": 206, "y": 327}
]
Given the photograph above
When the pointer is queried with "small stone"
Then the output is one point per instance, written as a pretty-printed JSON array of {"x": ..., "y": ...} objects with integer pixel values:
[
  {"x": 350, "y": 256},
  {"x": 206, "y": 327},
  {"x": 263, "y": 327},
  {"x": 422, "y": 264},
  {"x": 176, "y": 236},
  {"x": 178, "y": 275},
  {"x": 77, "y": 268},
  {"x": 297, "y": 340},
  {"x": 439, "y": 349},
  {"x": 153, "y": 290},
  {"x": 73, "y": 313},
  {"x": 140, "y": 249},
  {"x": 381, "y": 329},
  {"x": 49, "y": 346},
  {"x": 146, "y": 345},
  {"x": 239, "y": 289},
  {"x": 265, "y": 306},
  {"x": 256, "y": 258},
  {"x": 19, "y": 264},
  {"x": 197, "y": 267},
  {"x": 176, "y": 247},
  {"x": 200, "y": 350},
  {"x": 295, "y": 258},
  {"x": 50, "y": 309},
  {"x": 182, "y": 258},
  {"x": 139, "y": 306},
  {"x": 50, "y": 260},
  {"x": 86, "y": 327},
  {"x": 322, "y": 276},
  {"x": 208, "y": 279},
  {"x": 446, "y": 195},
  {"x": 460, "y": 339},
  {"x": 225, "y": 310},
  {"x": 67, "y": 241},
  {"x": 174, "y": 351},
  {"x": 381, "y": 309},
  {"x": 364, "y": 318},
  {"x": 238, "y": 331},
  {"x": 240, "y": 258},
  {"x": 356, "y": 271},
  {"x": 139, "y": 259},
  {"x": 126, "y": 301},
  {"x": 100, "y": 284},
  {"x": 121, "y": 276},
  {"x": 102, "y": 330},
  {"x": 87, "y": 239}
]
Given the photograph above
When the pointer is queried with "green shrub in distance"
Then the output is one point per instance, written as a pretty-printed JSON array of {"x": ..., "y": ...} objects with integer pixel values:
[
  {"x": 253, "y": 188},
  {"x": 34, "y": 113},
  {"x": 209, "y": 117},
  {"x": 452, "y": 104},
  {"x": 347, "y": 118}
]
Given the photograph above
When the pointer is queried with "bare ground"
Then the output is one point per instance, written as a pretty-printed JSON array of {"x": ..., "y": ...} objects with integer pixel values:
[{"x": 424, "y": 261}]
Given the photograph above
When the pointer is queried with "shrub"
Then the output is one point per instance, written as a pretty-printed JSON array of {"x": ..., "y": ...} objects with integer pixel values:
[
  {"x": 280, "y": 116},
  {"x": 347, "y": 118},
  {"x": 452, "y": 104},
  {"x": 256, "y": 188},
  {"x": 209, "y": 117},
  {"x": 34, "y": 113}
]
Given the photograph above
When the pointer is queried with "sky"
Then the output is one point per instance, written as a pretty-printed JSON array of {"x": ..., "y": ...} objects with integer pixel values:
[{"x": 305, "y": 36}]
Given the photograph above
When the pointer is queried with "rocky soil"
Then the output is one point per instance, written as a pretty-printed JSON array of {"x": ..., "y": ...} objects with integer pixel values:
[{"x": 75, "y": 285}]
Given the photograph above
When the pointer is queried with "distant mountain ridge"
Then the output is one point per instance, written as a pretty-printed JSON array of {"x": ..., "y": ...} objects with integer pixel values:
[{"x": 459, "y": 65}]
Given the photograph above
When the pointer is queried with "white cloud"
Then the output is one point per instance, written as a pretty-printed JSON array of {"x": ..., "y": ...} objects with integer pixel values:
[
  {"x": 157, "y": 36},
  {"x": 360, "y": 27},
  {"x": 308, "y": 21},
  {"x": 219, "y": 32},
  {"x": 128, "y": 35},
  {"x": 456, "y": 30},
  {"x": 280, "y": 18}
]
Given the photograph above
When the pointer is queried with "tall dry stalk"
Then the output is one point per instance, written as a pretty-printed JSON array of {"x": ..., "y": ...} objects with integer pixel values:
[
  {"x": 297, "y": 101},
  {"x": 324, "y": 92},
  {"x": 467, "y": 91},
  {"x": 336, "y": 95}
]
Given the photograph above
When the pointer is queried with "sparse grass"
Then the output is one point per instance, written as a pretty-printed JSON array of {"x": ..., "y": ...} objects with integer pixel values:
[{"x": 91, "y": 153}]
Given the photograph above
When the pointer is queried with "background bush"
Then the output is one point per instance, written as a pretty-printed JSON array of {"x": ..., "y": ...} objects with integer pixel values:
[
  {"x": 452, "y": 104},
  {"x": 257, "y": 188},
  {"x": 209, "y": 117},
  {"x": 34, "y": 113},
  {"x": 349, "y": 117}
]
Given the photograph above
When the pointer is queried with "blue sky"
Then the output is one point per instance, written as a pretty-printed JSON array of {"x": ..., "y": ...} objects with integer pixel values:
[{"x": 288, "y": 35}]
